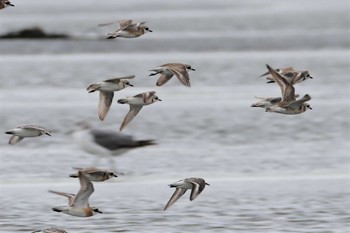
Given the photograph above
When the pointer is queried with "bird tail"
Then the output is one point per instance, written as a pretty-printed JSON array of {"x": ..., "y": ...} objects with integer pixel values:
[{"x": 141, "y": 143}]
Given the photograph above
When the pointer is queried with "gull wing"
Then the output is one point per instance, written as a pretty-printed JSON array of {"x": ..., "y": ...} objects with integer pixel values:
[
  {"x": 134, "y": 110},
  {"x": 104, "y": 104},
  {"x": 85, "y": 191},
  {"x": 176, "y": 195},
  {"x": 111, "y": 140}
]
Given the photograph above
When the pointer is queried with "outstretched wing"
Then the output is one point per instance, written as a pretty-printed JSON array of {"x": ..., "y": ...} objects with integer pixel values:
[
  {"x": 104, "y": 104},
  {"x": 134, "y": 110},
  {"x": 85, "y": 191},
  {"x": 176, "y": 195}
]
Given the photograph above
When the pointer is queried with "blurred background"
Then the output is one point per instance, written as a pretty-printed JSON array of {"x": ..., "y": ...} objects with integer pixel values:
[{"x": 268, "y": 172}]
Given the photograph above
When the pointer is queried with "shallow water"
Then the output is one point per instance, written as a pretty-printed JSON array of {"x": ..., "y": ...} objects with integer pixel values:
[{"x": 268, "y": 172}]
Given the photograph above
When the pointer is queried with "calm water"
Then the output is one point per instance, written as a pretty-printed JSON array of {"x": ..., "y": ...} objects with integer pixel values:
[{"x": 268, "y": 172}]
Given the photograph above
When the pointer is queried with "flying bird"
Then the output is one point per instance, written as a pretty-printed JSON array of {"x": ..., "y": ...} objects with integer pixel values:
[
  {"x": 107, "y": 89},
  {"x": 25, "y": 131},
  {"x": 78, "y": 205},
  {"x": 196, "y": 185},
  {"x": 167, "y": 71}
]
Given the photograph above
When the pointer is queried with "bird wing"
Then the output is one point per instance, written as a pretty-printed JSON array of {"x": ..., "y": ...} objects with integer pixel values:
[
  {"x": 296, "y": 104},
  {"x": 124, "y": 24},
  {"x": 182, "y": 74},
  {"x": 288, "y": 91},
  {"x": 118, "y": 79},
  {"x": 104, "y": 104},
  {"x": 14, "y": 139},
  {"x": 176, "y": 195},
  {"x": 112, "y": 140},
  {"x": 197, "y": 187},
  {"x": 85, "y": 191},
  {"x": 34, "y": 127},
  {"x": 163, "y": 79},
  {"x": 134, "y": 110},
  {"x": 70, "y": 196}
]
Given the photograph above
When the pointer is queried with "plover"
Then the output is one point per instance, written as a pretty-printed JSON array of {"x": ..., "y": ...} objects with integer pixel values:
[
  {"x": 167, "y": 71},
  {"x": 290, "y": 74},
  {"x": 25, "y": 131},
  {"x": 196, "y": 185},
  {"x": 5, "y": 3},
  {"x": 94, "y": 174},
  {"x": 107, "y": 89},
  {"x": 289, "y": 104},
  {"x": 78, "y": 205},
  {"x": 128, "y": 29},
  {"x": 136, "y": 103}
]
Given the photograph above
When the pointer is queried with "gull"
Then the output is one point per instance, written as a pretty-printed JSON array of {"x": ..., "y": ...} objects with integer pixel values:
[
  {"x": 289, "y": 104},
  {"x": 128, "y": 29},
  {"x": 105, "y": 143},
  {"x": 107, "y": 89},
  {"x": 290, "y": 74},
  {"x": 78, "y": 205},
  {"x": 50, "y": 230},
  {"x": 196, "y": 185},
  {"x": 136, "y": 103},
  {"x": 167, "y": 71},
  {"x": 5, "y": 3},
  {"x": 94, "y": 174},
  {"x": 21, "y": 132}
]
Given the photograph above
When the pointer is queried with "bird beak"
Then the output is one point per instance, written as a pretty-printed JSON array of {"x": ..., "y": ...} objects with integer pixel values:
[
  {"x": 207, "y": 184},
  {"x": 130, "y": 85},
  {"x": 8, "y": 132}
]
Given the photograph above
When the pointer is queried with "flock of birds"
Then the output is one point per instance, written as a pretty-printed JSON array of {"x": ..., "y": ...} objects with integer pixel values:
[{"x": 108, "y": 142}]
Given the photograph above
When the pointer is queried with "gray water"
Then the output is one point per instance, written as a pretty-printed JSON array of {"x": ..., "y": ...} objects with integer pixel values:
[{"x": 268, "y": 172}]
